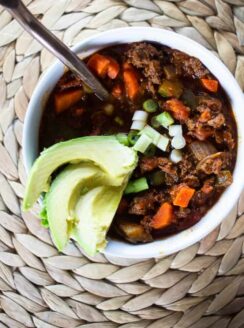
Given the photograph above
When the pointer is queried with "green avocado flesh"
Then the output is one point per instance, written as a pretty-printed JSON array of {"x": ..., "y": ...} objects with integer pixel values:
[
  {"x": 106, "y": 152},
  {"x": 63, "y": 195},
  {"x": 94, "y": 213},
  {"x": 82, "y": 199}
]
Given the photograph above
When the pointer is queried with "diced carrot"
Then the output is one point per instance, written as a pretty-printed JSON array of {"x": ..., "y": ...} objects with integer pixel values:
[
  {"x": 210, "y": 85},
  {"x": 163, "y": 217},
  {"x": 131, "y": 81},
  {"x": 99, "y": 64},
  {"x": 179, "y": 110},
  {"x": 117, "y": 91},
  {"x": 113, "y": 68},
  {"x": 65, "y": 100},
  {"x": 183, "y": 196}
]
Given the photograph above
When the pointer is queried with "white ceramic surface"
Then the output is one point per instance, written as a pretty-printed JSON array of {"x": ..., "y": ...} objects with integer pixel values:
[{"x": 218, "y": 212}]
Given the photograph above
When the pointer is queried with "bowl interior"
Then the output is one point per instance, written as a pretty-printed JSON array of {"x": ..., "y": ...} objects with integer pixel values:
[{"x": 217, "y": 213}]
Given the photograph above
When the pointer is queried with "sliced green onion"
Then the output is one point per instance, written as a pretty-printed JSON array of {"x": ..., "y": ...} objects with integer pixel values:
[
  {"x": 140, "y": 115},
  {"x": 123, "y": 139},
  {"x": 119, "y": 121},
  {"x": 138, "y": 125},
  {"x": 163, "y": 143},
  {"x": 136, "y": 186},
  {"x": 142, "y": 143},
  {"x": 150, "y": 106},
  {"x": 157, "y": 178},
  {"x": 151, "y": 133},
  {"x": 175, "y": 130},
  {"x": 165, "y": 119},
  {"x": 155, "y": 122},
  {"x": 175, "y": 156},
  {"x": 178, "y": 142},
  {"x": 133, "y": 137}
]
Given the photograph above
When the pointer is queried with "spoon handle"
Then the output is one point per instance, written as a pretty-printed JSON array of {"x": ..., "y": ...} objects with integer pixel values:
[{"x": 19, "y": 11}]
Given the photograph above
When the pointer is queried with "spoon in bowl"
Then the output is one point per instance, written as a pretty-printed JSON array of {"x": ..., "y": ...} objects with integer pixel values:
[{"x": 19, "y": 11}]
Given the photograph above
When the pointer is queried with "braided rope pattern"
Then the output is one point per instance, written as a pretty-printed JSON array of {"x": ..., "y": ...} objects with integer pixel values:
[{"x": 201, "y": 286}]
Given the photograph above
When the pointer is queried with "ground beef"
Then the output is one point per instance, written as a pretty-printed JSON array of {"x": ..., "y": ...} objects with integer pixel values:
[
  {"x": 201, "y": 196},
  {"x": 188, "y": 164},
  {"x": 217, "y": 122},
  {"x": 148, "y": 164},
  {"x": 147, "y": 202},
  {"x": 147, "y": 58},
  {"x": 192, "y": 181},
  {"x": 168, "y": 167},
  {"x": 186, "y": 65},
  {"x": 182, "y": 213},
  {"x": 206, "y": 102},
  {"x": 213, "y": 164}
]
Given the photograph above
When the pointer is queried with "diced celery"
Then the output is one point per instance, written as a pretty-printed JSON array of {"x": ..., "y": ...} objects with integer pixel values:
[
  {"x": 151, "y": 133},
  {"x": 137, "y": 185},
  {"x": 165, "y": 119},
  {"x": 170, "y": 88},
  {"x": 142, "y": 143},
  {"x": 150, "y": 106},
  {"x": 163, "y": 143}
]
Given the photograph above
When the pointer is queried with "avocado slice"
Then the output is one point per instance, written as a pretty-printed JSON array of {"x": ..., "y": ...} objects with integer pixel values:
[
  {"x": 106, "y": 152},
  {"x": 60, "y": 200},
  {"x": 94, "y": 214}
]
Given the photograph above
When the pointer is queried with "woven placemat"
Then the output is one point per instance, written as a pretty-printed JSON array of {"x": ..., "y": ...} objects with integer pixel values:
[{"x": 202, "y": 286}]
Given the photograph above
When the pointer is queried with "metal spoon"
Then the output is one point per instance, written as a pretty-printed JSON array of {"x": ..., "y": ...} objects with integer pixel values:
[{"x": 19, "y": 11}]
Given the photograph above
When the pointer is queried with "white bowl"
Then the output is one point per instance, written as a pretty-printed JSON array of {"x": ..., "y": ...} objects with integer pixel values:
[{"x": 218, "y": 212}]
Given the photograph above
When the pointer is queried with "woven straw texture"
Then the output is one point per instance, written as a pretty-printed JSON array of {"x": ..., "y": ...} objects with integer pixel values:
[{"x": 202, "y": 286}]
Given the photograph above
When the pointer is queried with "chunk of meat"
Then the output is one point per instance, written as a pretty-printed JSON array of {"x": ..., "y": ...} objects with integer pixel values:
[
  {"x": 205, "y": 193},
  {"x": 142, "y": 205},
  {"x": 191, "y": 180},
  {"x": 123, "y": 206},
  {"x": 133, "y": 232},
  {"x": 147, "y": 58},
  {"x": 148, "y": 164},
  {"x": 199, "y": 130},
  {"x": 217, "y": 122},
  {"x": 69, "y": 81},
  {"x": 167, "y": 166},
  {"x": 186, "y": 65},
  {"x": 186, "y": 165},
  {"x": 214, "y": 163},
  {"x": 214, "y": 105},
  {"x": 178, "y": 109}
]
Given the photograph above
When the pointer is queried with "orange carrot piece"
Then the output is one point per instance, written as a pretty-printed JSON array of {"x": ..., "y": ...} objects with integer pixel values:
[
  {"x": 131, "y": 81},
  {"x": 117, "y": 91},
  {"x": 183, "y": 196},
  {"x": 113, "y": 68},
  {"x": 210, "y": 85},
  {"x": 163, "y": 217},
  {"x": 179, "y": 110},
  {"x": 99, "y": 64},
  {"x": 65, "y": 100}
]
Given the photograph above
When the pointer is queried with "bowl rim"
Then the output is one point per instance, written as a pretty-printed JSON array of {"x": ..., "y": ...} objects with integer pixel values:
[{"x": 223, "y": 206}]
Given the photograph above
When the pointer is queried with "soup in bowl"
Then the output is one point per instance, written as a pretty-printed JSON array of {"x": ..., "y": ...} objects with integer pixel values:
[{"x": 155, "y": 167}]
